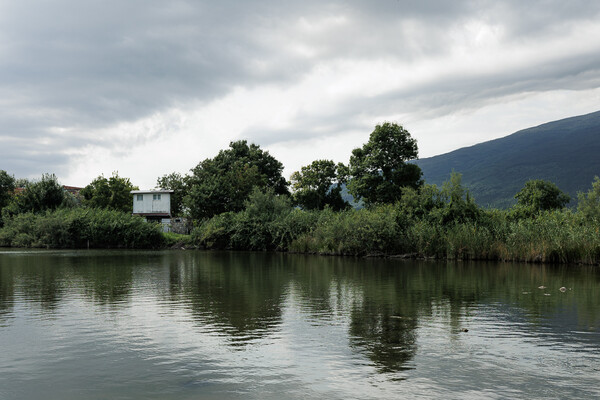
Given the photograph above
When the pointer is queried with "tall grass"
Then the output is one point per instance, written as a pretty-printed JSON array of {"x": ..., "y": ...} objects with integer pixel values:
[
  {"x": 550, "y": 237},
  {"x": 351, "y": 232},
  {"x": 80, "y": 228}
]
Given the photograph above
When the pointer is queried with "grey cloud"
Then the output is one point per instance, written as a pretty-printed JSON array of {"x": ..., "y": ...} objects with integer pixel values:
[
  {"x": 438, "y": 98},
  {"x": 85, "y": 65},
  {"x": 25, "y": 160}
]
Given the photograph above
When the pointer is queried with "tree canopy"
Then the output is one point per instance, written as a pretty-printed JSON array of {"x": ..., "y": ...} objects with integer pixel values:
[
  {"x": 589, "y": 203},
  {"x": 177, "y": 183},
  {"x": 112, "y": 193},
  {"x": 7, "y": 187},
  {"x": 379, "y": 170},
  {"x": 37, "y": 196},
  {"x": 319, "y": 185},
  {"x": 539, "y": 195},
  {"x": 223, "y": 183}
]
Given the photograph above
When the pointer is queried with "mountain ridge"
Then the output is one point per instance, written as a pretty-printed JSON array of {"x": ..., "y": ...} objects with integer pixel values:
[{"x": 566, "y": 152}]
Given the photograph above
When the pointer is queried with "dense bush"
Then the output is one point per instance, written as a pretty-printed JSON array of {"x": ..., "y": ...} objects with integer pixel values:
[
  {"x": 257, "y": 227},
  {"x": 80, "y": 228},
  {"x": 589, "y": 203},
  {"x": 352, "y": 232},
  {"x": 428, "y": 222}
]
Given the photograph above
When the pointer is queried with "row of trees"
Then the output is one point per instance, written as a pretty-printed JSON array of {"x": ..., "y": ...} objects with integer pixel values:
[
  {"x": 375, "y": 174},
  {"x": 20, "y": 196},
  {"x": 379, "y": 172}
]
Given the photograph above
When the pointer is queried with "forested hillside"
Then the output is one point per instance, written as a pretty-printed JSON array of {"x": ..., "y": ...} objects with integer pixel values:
[{"x": 566, "y": 152}]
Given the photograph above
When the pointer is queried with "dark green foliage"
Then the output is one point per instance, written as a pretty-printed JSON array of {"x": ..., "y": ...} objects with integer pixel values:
[
  {"x": 352, "y": 232},
  {"x": 78, "y": 228},
  {"x": 251, "y": 229},
  {"x": 427, "y": 222},
  {"x": 38, "y": 196},
  {"x": 450, "y": 205},
  {"x": 318, "y": 185},
  {"x": 460, "y": 206},
  {"x": 177, "y": 183},
  {"x": 538, "y": 195},
  {"x": 7, "y": 187},
  {"x": 176, "y": 240},
  {"x": 379, "y": 170},
  {"x": 112, "y": 193},
  {"x": 564, "y": 152},
  {"x": 225, "y": 182},
  {"x": 589, "y": 203}
]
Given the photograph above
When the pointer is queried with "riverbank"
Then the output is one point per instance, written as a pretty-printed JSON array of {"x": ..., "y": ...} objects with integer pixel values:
[
  {"x": 78, "y": 228},
  {"x": 384, "y": 231},
  {"x": 551, "y": 237}
]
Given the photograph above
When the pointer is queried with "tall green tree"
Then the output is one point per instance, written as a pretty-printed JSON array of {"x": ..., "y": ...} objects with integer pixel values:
[
  {"x": 379, "y": 170},
  {"x": 447, "y": 205},
  {"x": 112, "y": 193},
  {"x": 539, "y": 195},
  {"x": 177, "y": 183},
  {"x": 459, "y": 205},
  {"x": 37, "y": 196},
  {"x": 319, "y": 185},
  {"x": 7, "y": 188},
  {"x": 589, "y": 203},
  {"x": 224, "y": 183}
]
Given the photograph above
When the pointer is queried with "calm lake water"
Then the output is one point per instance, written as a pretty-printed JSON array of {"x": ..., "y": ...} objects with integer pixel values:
[{"x": 192, "y": 324}]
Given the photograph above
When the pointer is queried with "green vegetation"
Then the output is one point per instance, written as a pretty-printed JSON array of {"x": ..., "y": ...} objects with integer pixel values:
[
  {"x": 177, "y": 183},
  {"x": 589, "y": 203},
  {"x": 379, "y": 170},
  {"x": 42, "y": 214},
  {"x": 224, "y": 183},
  {"x": 80, "y": 228},
  {"x": 239, "y": 200},
  {"x": 318, "y": 185},
  {"x": 539, "y": 195},
  {"x": 39, "y": 196},
  {"x": 426, "y": 223},
  {"x": 7, "y": 186},
  {"x": 112, "y": 193},
  {"x": 176, "y": 240}
]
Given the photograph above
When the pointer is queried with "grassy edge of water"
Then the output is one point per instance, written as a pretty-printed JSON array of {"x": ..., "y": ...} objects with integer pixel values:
[{"x": 550, "y": 237}]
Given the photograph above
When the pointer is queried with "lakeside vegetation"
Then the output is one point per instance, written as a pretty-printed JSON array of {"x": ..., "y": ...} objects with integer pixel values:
[
  {"x": 426, "y": 223},
  {"x": 239, "y": 200},
  {"x": 80, "y": 228}
]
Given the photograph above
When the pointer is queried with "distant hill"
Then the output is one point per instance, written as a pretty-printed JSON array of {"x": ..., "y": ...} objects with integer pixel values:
[{"x": 566, "y": 152}]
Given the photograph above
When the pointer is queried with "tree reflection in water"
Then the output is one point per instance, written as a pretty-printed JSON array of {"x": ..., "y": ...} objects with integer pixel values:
[
  {"x": 240, "y": 295},
  {"x": 243, "y": 297}
]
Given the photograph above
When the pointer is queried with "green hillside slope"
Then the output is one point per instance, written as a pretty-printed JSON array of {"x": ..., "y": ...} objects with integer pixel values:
[{"x": 566, "y": 152}]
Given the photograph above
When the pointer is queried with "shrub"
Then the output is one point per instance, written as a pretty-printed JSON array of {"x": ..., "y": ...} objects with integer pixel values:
[{"x": 78, "y": 228}]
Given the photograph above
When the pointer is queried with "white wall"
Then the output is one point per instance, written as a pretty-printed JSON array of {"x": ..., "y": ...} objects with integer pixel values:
[{"x": 149, "y": 205}]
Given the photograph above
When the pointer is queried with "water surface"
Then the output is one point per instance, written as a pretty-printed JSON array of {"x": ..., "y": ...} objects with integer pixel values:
[{"x": 193, "y": 324}]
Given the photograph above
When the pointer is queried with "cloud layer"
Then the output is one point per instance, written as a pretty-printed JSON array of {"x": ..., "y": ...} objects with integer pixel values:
[{"x": 149, "y": 87}]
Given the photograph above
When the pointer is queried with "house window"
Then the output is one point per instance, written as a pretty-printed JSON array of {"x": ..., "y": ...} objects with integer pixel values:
[
  {"x": 140, "y": 197},
  {"x": 156, "y": 197}
]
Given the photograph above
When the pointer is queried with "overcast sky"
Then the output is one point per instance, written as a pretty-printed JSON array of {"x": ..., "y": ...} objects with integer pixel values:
[{"x": 148, "y": 87}]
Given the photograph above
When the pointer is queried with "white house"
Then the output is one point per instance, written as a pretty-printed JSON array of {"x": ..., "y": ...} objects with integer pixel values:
[{"x": 153, "y": 205}]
